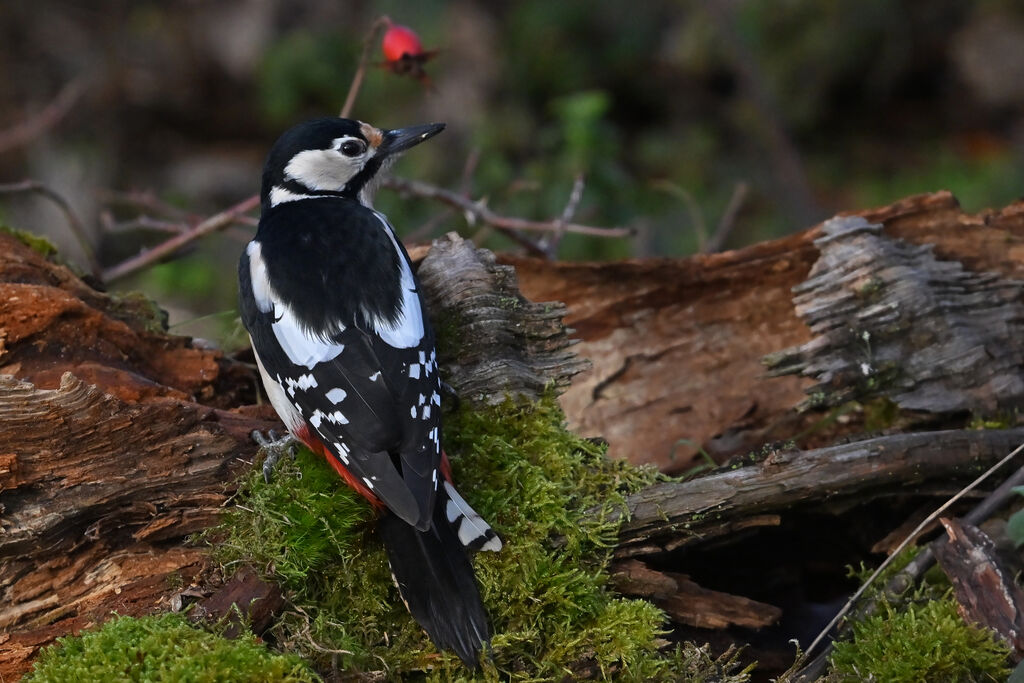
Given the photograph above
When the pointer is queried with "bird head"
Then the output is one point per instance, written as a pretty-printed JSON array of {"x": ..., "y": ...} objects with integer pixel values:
[{"x": 334, "y": 156}]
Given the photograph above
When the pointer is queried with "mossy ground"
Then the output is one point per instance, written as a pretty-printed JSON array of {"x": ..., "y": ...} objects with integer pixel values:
[
  {"x": 163, "y": 648},
  {"x": 550, "y": 495},
  {"x": 923, "y": 641},
  {"x": 917, "y": 637}
]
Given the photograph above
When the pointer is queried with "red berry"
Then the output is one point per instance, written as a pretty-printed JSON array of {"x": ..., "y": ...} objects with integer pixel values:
[{"x": 400, "y": 41}]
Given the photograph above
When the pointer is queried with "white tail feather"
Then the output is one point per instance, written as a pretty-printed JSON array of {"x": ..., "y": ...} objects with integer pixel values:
[{"x": 473, "y": 531}]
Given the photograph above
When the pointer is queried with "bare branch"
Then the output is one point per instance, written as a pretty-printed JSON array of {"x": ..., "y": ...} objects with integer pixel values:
[
  {"x": 77, "y": 229},
  {"x": 550, "y": 243},
  {"x": 364, "y": 59},
  {"x": 25, "y": 132},
  {"x": 477, "y": 211},
  {"x": 164, "y": 249}
]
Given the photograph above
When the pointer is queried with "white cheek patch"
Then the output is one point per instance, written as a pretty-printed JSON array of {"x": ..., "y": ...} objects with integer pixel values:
[{"x": 322, "y": 169}]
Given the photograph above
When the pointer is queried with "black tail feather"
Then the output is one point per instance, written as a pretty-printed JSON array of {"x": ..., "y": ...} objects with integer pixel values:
[{"x": 436, "y": 581}]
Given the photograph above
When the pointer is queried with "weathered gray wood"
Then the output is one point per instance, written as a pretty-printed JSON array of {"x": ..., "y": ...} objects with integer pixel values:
[
  {"x": 890, "y": 319},
  {"x": 493, "y": 342},
  {"x": 674, "y": 514}
]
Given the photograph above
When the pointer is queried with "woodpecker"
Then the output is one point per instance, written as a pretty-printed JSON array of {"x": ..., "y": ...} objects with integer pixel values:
[{"x": 347, "y": 355}]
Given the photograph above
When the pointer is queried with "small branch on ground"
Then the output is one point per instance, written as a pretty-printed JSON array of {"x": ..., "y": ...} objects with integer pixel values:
[
  {"x": 925, "y": 559},
  {"x": 77, "y": 229}
]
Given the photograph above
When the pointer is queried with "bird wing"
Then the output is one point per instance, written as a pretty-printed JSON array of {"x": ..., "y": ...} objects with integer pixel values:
[{"x": 365, "y": 384}]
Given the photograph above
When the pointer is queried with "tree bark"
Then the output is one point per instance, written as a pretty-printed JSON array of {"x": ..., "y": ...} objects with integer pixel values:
[
  {"x": 678, "y": 345},
  {"x": 119, "y": 440}
]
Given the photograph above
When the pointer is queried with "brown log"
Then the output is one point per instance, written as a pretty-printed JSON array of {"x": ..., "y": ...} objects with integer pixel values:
[
  {"x": 986, "y": 590},
  {"x": 687, "y": 603},
  {"x": 671, "y": 515},
  {"x": 677, "y": 344},
  {"x": 116, "y": 445}
]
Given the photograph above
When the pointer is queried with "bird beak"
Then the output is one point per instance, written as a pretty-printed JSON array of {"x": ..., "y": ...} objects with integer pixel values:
[{"x": 401, "y": 139}]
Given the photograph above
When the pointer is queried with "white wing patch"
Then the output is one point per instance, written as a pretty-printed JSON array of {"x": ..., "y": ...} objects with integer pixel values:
[
  {"x": 472, "y": 529},
  {"x": 301, "y": 347},
  {"x": 407, "y": 330}
]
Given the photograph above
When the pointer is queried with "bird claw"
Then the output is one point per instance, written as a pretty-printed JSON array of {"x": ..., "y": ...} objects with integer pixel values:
[
  {"x": 448, "y": 391},
  {"x": 273, "y": 447}
]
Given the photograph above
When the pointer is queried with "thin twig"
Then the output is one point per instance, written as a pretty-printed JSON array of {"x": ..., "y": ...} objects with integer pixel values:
[
  {"x": 77, "y": 229},
  {"x": 25, "y": 132},
  {"x": 550, "y": 245},
  {"x": 907, "y": 541},
  {"x": 164, "y": 249},
  {"x": 476, "y": 210},
  {"x": 364, "y": 59},
  {"x": 728, "y": 220},
  {"x": 916, "y": 568}
]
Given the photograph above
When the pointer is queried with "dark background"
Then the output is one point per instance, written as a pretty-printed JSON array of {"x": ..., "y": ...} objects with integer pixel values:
[{"x": 665, "y": 107}]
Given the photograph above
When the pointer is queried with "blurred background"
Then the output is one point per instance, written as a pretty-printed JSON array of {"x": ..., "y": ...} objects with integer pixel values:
[{"x": 701, "y": 125}]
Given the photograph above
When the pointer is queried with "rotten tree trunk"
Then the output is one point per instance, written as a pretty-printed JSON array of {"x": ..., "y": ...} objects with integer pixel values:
[
  {"x": 678, "y": 346},
  {"x": 105, "y": 472},
  {"x": 117, "y": 441}
]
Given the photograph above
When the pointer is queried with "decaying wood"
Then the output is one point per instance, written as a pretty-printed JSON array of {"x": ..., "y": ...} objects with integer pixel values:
[
  {"x": 685, "y": 602},
  {"x": 987, "y": 592},
  {"x": 671, "y": 515},
  {"x": 890, "y": 319},
  {"x": 498, "y": 343},
  {"x": 677, "y": 344},
  {"x": 117, "y": 443}
]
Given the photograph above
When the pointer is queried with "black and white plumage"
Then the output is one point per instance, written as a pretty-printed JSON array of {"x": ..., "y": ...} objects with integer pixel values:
[{"x": 347, "y": 357}]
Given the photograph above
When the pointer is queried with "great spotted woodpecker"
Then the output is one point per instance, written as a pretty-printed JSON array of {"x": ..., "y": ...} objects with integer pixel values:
[{"x": 347, "y": 356}]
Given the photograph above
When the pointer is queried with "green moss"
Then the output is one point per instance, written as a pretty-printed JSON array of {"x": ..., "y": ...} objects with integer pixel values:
[
  {"x": 549, "y": 493},
  {"x": 139, "y": 311},
  {"x": 37, "y": 243},
  {"x": 162, "y": 648},
  {"x": 925, "y": 641}
]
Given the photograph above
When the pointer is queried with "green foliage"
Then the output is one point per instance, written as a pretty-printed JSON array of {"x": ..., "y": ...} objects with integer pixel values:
[
  {"x": 164, "y": 648},
  {"x": 550, "y": 494},
  {"x": 926, "y": 641}
]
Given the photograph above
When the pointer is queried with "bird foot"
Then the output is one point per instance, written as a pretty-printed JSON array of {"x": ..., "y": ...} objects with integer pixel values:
[
  {"x": 448, "y": 391},
  {"x": 273, "y": 447}
]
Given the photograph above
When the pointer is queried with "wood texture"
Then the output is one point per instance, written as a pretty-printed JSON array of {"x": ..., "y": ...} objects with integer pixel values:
[
  {"x": 985, "y": 588},
  {"x": 677, "y": 344},
  {"x": 889, "y": 319},
  {"x": 116, "y": 444},
  {"x": 671, "y": 515},
  {"x": 493, "y": 342}
]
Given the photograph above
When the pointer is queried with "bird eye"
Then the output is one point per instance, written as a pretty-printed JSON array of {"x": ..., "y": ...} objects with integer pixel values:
[{"x": 352, "y": 148}]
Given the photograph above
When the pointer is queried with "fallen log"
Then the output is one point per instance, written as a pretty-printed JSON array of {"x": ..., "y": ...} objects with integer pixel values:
[
  {"x": 677, "y": 345},
  {"x": 671, "y": 515}
]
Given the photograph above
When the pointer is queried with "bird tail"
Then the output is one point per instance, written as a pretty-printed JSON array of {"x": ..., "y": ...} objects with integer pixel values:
[{"x": 435, "y": 577}]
